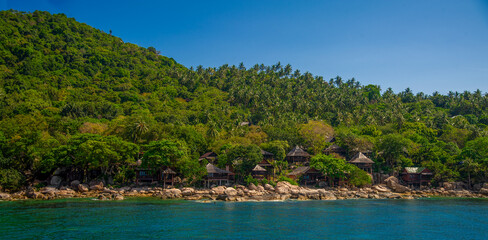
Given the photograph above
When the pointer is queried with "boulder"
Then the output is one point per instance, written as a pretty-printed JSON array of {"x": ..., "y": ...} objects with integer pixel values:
[
  {"x": 82, "y": 188},
  {"x": 187, "y": 191},
  {"x": 284, "y": 187},
  {"x": 260, "y": 188},
  {"x": 268, "y": 187},
  {"x": 219, "y": 190},
  {"x": 484, "y": 191},
  {"x": 252, "y": 187},
  {"x": 74, "y": 184},
  {"x": 118, "y": 197},
  {"x": 380, "y": 188},
  {"x": 48, "y": 191},
  {"x": 230, "y": 191},
  {"x": 5, "y": 196},
  {"x": 96, "y": 186},
  {"x": 56, "y": 181},
  {"x": 392, "y": 182}
]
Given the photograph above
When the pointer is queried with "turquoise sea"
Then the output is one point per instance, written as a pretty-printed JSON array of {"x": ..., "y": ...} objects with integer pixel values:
[{"x": 161, "y": 219}]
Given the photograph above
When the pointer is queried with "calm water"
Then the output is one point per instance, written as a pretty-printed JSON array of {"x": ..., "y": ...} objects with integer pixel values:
[{"x": 151, "y": 218}]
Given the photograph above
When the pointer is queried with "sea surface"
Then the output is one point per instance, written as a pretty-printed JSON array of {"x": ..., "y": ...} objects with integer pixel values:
[{"x": 147, "y": 218}]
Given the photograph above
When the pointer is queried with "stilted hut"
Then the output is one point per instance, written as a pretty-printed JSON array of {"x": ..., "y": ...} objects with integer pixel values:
[
  {"x": 297, "y": 156},
  {"x": 211, "y": 157},
  {"x": 266, "y": 163},
  {"x": 168, "y": 177},
  {"x": 416, "y": 176},
  {"x": 306, "y": 175},
  {"x": 259, "y": 172},
  {"x": 216, "y": 176},
  {"x": 362, "y": 162}
]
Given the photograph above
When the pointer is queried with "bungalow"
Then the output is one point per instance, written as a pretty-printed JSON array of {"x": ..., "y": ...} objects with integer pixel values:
[
  {"x": 362, "y": 162},
  {"x": 297, "y": 156},
  {"x": 259, "y": 172},
  {"x": 266, "y": 163},
  {"x": 306, "y": 175},
  {"x": 168, "y": 177},
  {"x": 335, "y": 150},
  {"x": 216, "y": 176},
  {"x": 416, "y": 176}
]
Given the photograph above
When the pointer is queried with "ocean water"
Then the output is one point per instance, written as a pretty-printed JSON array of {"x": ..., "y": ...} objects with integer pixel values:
[{"x": 148, "y": 218}]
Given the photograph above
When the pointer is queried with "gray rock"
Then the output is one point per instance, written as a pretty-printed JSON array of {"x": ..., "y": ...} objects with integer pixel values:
[
  {"x": 74, "y": 184},
  {"x": 56, "y": 181}
]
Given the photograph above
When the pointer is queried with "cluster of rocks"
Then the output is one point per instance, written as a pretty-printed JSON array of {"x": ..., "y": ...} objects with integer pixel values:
[{"x": 391, "y": 189}]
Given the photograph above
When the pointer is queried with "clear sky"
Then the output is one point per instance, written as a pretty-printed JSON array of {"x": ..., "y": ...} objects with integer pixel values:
[{"x": 425, "y": 45}]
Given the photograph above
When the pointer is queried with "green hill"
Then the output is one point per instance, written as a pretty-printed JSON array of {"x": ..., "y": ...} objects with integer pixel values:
[{"x": 73, "y": 96}]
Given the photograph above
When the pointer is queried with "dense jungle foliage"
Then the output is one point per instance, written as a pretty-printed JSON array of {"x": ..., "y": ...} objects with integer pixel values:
[{"x": 73, "y": 96}]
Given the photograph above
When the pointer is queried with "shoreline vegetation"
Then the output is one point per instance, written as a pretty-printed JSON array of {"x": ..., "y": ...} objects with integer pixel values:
[
  {"x": 79, "y": 105},
  {"x": 239, "y": 193}
]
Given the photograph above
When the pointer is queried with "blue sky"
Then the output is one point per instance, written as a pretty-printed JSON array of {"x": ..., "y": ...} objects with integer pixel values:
[{"x": 434, "y": 45}]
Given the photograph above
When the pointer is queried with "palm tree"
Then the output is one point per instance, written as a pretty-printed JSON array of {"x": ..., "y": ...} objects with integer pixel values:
[{"x": 138, "y": 129}]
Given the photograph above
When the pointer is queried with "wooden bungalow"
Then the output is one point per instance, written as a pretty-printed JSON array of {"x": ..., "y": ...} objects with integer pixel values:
[
  {"x": 259, "y": 172},
  {"x": 306, "y": 175},
  {"x": 297, "y": 156},
  {"x": 147, "y": 175},
  {"x": 216, "y": 176},
  {"x": 266, "y": 163},
  {"x": 362, "y": 162},
  {"x": 211, "y": 157},
  {"x": 335, "y": 150},
  {"x": 416, "y": 176}
]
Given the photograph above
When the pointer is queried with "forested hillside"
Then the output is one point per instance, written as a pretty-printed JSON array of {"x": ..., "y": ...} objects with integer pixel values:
[{"x": 73, "y": 96}]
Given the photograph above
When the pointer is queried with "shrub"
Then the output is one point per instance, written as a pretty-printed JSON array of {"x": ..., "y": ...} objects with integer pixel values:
[
  {"x": 11, "y": 179},
  {"x": 287, "y": 179},
  {"x": 252, "y": 180}
]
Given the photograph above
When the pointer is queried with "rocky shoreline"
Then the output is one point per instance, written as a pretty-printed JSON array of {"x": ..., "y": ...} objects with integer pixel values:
[{"x": 282, "y": 191}]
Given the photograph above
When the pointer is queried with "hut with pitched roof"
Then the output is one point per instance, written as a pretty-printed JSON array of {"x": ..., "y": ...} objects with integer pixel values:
[
  {"x": 216, "y": 176},
  {"x": 168, "y": 177},
  {"x": 266, "y": 163},
  {"x": 259, "y": 172},
  {"x": 306, "y": 175},
  {"x": 416, "y": 176},
  {"x": 362, "y": 162},
  {"x": 297, "y": 156}
]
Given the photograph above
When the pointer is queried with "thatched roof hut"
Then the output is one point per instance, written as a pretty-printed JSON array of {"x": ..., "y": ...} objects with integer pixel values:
[
  {"x": 362, "y": 162},
  {"x": 297, "y": 152},
  {"x": 297, "y": 155},
  {"x": 297, "y": 172},
  {"x": 212, "y": 169},
  {"x": 258, "y": 168},
  {"x": 361, "y": 158},
  {"x": 169, "y": 171}
]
